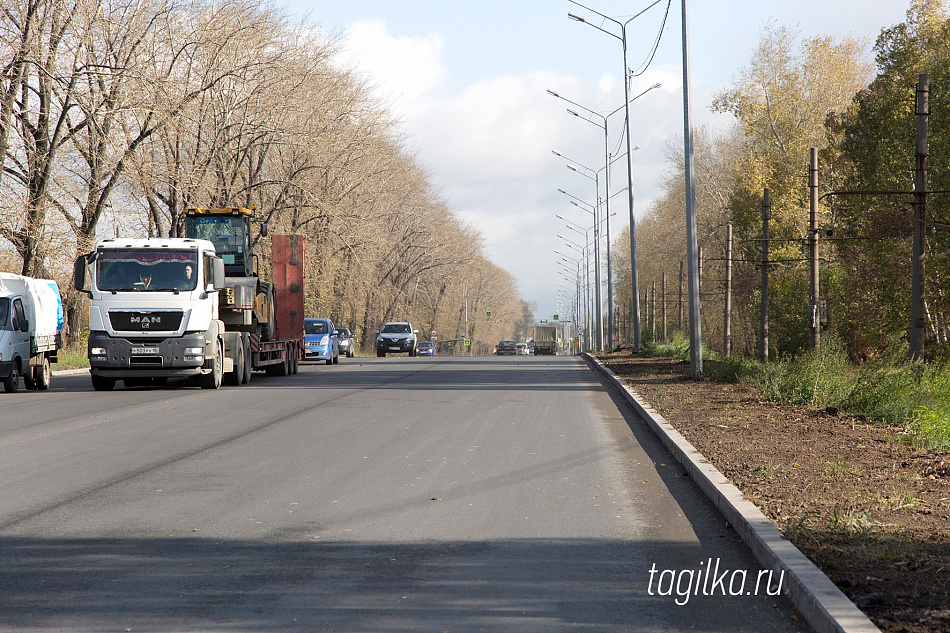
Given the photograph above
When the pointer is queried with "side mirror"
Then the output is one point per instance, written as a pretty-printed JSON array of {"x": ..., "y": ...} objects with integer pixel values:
[
  {"x": 25, "y": 325},
  {"x": 377, "y": 331},
  {"x": 217, "y": 273},
  {"x": 264, "y": 229},
  {"x": 335, "y": 332},
  {"x": 79, "y": 273},
  {"x": 415, "y": 331}
]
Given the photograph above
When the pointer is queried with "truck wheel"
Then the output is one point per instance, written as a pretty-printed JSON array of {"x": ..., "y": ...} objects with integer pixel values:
[
  {"x": 282, "y": 369},
  {"x": 43, "y": 375},
  {"x": 29, "y": 379},
  {"x": 100, "y": 383},
  {"x": 236, "y": 376},
  {"x": 11, "y": 382},
  {"x": 213, "y": 380},
  {"x": 295, "y": 363},
  {"x": 380, "y": 354},
  {"x": 248, "y": 359}
]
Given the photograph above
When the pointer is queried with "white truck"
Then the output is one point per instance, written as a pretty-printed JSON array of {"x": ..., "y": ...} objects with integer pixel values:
[
  {"x": 177, "y": 307},
  {"x": 31, "y": 324},
  {"x": 153, "y": 312}
]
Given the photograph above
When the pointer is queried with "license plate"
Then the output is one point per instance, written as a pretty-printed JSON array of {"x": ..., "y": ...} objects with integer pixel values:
[
  {"x": 145, "y": 350},
  {"x": 393, "y": 349}
]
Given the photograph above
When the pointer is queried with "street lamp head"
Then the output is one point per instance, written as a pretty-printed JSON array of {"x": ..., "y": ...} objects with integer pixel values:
[
  {"x": 576, "y": 16},
  {"x": 557, "y": 153},
  {"x": 554, "y": 94},
  {"x": 572, "y": 167},
  {"x": 656, "y": 85},
  {"x": 569, "y": 111}
]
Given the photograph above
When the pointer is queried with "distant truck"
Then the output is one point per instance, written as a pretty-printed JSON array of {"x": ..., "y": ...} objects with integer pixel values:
[
  {"x": 193, "y": 306},
  {"x": 545, "y": 340},
  {"x": 31, "y": 324}
]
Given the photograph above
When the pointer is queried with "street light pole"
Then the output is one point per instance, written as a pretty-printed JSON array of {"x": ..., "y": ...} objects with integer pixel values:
[
  {"x": 635, "y": 282},
  {"x": 586, "y": 258},
  {"x": 692, "y": 248},
  {"x": 607, "y": 196},
  {"x": 599, "y": 315}
]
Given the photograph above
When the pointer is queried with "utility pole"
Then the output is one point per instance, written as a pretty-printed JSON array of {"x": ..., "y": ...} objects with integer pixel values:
[
  {"x": 814, "y": 319},
  {"x": 727, "y": 309},
  {"x": 764, "y": 308},
  {"x": 653, "y": 311},
  {"x": 663, "y": 306},
  {"x": 918, "y": 280},
  {"x": 679, "y": 318}
]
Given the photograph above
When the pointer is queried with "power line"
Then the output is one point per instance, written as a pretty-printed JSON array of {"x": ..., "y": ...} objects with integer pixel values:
[{"x": 656, "y": 45}]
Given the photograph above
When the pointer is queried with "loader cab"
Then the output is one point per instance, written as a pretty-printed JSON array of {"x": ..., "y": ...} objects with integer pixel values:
[{"x": 230, "y": 231}]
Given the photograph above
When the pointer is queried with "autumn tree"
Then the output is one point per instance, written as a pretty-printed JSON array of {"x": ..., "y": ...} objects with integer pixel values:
[
  {"x": 780, "y": 102},
  {"x": 661, "y": 231},
  {"x": 118, "y": 116},
  {"x": 878, "y": 153}
]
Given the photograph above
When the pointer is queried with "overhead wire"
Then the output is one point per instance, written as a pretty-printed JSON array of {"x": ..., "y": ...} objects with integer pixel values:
[{"x": 656, "y": 45}]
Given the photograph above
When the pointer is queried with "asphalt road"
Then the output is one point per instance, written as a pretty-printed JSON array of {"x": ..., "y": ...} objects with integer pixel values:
[{"x": 395, "y": 494}]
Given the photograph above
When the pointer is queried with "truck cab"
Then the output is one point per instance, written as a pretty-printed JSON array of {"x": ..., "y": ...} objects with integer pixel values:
[{"x": 154, "y": 311}]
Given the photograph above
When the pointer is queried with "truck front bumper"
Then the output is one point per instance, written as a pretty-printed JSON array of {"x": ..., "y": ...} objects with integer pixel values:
[{"x": 116, "y": 357}]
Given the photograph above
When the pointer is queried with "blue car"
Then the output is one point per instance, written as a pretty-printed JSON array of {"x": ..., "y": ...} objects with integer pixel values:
[
  {"x": 425, "y": 348},
  {"x": 320, "y": 341}
]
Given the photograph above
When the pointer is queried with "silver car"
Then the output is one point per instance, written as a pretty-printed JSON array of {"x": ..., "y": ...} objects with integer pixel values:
[{"x": 347, "y": 342}]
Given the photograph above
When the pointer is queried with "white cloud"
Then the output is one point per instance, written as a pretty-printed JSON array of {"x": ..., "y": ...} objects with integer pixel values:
[
  {"x": 488, "y": 147},
  {"x": 406, "y": 70}
]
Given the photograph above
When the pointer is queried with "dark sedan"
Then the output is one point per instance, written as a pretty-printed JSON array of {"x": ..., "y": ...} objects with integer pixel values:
[{"x": 506, "y": 347}]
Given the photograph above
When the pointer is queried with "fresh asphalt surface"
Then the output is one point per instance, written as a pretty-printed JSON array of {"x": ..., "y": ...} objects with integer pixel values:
[{"x": 392, "y": 494}]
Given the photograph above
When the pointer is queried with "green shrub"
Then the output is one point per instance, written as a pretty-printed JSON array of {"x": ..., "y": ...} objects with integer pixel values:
[
  {"x": 817, "y": 378},
  {"x": 929, "y": 430}
]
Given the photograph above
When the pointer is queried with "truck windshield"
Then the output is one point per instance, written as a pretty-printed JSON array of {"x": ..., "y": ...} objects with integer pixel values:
[
  {"x": 4, "y": 311},
  {"x": 225, "y": 231},
  {"x": 146, "y": 270}
]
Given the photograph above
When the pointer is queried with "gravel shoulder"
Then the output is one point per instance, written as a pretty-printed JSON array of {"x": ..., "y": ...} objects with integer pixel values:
[{"x": 867, "y": 509}]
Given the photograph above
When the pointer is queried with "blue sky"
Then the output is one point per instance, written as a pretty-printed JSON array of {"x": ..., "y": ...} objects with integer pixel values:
[{"x": 469, "y": 81}]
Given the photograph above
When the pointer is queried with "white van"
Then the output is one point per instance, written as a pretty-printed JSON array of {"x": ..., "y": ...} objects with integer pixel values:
[{"x": 31, "y": 324}]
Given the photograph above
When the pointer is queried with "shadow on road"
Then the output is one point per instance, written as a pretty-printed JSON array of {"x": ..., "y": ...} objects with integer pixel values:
[{"x": 195, "y": 583}]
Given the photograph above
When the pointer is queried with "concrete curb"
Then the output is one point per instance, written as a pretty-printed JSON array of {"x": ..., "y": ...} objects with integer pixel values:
[
  {"x": 822, "y": 604},
  {"x": 71, "y": 372}
]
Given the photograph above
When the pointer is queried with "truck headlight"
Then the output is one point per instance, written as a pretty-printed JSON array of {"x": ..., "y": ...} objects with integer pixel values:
[
  {"x": 97, "y": 351},
  {"x": 195, "y": 351}
]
